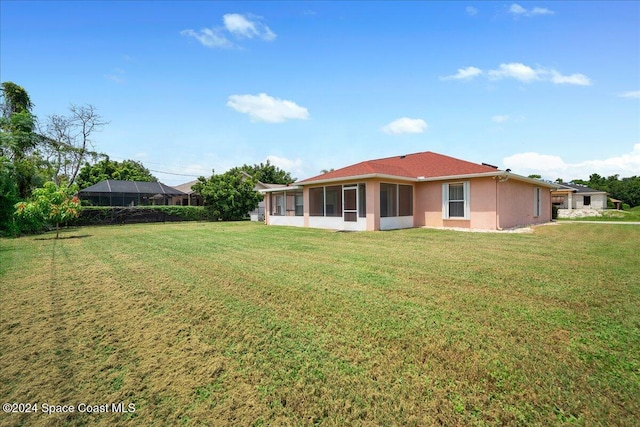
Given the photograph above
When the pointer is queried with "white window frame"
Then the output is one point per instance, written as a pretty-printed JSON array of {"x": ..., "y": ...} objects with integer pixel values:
[
  {"x": 537, "y": 202},
  {"x": 467, "y": 200}
]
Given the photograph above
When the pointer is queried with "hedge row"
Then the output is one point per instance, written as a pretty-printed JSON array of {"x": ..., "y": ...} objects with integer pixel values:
[{"x": 99, "y": 215}]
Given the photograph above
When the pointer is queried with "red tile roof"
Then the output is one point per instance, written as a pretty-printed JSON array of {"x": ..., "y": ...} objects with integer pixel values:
[{"x": 426, "y": 164}]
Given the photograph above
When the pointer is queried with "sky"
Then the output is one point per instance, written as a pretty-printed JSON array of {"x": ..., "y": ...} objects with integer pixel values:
[{"x": 549, "y": 88}]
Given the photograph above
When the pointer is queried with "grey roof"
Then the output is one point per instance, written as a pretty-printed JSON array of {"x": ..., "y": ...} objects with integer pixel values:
[
  {"x": 131, "y": 187},
  {"x": 579, "y": 188}
]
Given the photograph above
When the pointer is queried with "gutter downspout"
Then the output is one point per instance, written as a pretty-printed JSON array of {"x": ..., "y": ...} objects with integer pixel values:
[{"x": 499, "y": 179}]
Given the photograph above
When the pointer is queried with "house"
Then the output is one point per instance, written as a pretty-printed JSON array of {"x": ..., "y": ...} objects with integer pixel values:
[
  {"x": 190, "y": 197},
  {"x": 129, "y": 193},
  {"x": 413, "y": 190},
  {"x": 258, "y": 213},
  {"x": 578, "y": 200}
]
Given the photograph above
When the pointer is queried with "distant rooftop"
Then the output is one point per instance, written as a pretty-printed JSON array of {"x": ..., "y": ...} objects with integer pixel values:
[
  {"x": 131, "y": 187},
  {"x": 579, "y": 188}
]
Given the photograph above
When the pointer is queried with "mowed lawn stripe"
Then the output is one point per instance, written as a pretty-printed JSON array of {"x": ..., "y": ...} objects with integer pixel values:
[{"x": 246, "y": 324}]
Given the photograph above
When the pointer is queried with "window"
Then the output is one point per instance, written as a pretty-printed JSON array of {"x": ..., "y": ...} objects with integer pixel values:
[
  {"x": 333, "y": 200},
  {"x": 316, "y": 201},
  {"x": 362, "y": 193},
  {"x": 455, "y": 200},
  {"x": 299, "y": 203},
  {"x": 388, "y": 205},
  {"x": 396, "y": 200},
  {"x": 537, "y": 201},
  {"x": 586, "y": 200},
  {"x": 405, "y": 200}
]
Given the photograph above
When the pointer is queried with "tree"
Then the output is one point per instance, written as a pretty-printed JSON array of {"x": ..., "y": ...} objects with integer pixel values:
[
  {"x": 9, "y": 194},
  {"x": 15, "y": 99},
  {"x": 17, "y": 137},
  {"x": 229, "y": 196},
  {"x": 127, "y": 170},
  {"x": 535, "y": 176},
  {"x": 323, "y": 171},
  {"x": 68, "y": 140},
  {"x": 51, "y": 204},
  {"x": 267, "y": 173},
  {"x": 626, "y": 189}
]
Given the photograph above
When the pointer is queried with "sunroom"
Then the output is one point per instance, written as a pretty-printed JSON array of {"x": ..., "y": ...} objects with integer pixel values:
[
  {"x": 284, "y": 206},
  {"x": 348, "y": 206}
]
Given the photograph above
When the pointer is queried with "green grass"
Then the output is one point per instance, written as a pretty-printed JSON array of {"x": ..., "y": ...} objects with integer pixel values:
[{"x": 244, "y": 324}]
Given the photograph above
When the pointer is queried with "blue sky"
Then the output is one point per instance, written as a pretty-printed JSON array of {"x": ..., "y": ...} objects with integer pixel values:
[{"x": 539, "y": 87}]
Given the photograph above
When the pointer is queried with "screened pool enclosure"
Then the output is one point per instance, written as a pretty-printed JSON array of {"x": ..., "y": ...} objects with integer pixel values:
[{"x": 129, "y": 193}]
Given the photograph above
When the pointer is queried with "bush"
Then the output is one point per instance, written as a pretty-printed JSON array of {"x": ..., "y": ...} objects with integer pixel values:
[
  {"x": 51, "y": 205},
  {"x": 625, "y": 207},
  {"x": 104, "y": 215}
]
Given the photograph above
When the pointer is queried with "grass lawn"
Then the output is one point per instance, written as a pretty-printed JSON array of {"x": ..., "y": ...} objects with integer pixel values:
[{"x": 241, "y": 324}]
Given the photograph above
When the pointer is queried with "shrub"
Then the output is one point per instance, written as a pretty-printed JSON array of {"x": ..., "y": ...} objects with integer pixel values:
[
  {"x": 51, "y": 205},
  {"x": 104, "y": 215}
]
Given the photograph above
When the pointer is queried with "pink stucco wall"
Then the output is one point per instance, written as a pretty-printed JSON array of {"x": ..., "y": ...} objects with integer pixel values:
[
  {"x": 482, "y": 205},
  {"x": 493, "y": 204},
  {"x": 516, "y": 204}
]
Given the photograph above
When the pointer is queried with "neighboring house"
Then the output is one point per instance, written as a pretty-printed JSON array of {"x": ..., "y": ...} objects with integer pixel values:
[
  {"x": 576, "y": 199},
  {"x": 129, "y": 193},
  {"x": 258, "y": 213},
  {"x": 190, "y": 197},
  {"x": 421, "y": 189}
]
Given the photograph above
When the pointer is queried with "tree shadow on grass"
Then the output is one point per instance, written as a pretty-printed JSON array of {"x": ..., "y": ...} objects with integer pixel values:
[{"x": 80, "y": 236}]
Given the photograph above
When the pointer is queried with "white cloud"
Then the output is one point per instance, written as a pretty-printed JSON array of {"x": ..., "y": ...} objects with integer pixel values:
[
  {"x": 294, "y": 167},
  {"x": 499, "y": 119},
  {"x": 209, "y": 37},
  {"x": 241, "y": 26},
  {"x": 574, "y": 79},
  {"x": 632, "y": 94},
  {"x": 518, "y": 10},
  {"x": 514, "y": 70},
  {"x": 552, "y": 167},
  {"x": 405, "y": 125},
  {"x": 541, "y": 11},
  {"x": 471, "y": 11},
  {"x": 523, "y": 73},
  {"x": 266, "y": 108},
  {"x": 464, "y": 74}
]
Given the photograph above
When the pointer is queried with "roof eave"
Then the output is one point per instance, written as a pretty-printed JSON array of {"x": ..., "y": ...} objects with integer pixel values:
[
  {"x": 358, "y": 177},
  {"x": 492, "y": 174},
  {"x": 278, "y": 189},
  {"x": 499, "y": 173}
]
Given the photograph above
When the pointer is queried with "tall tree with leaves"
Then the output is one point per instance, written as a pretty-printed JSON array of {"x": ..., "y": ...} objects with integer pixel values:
[
  {"x": 267, "y": 173},
  {"x": 17, "y": 137},
  {"x": 229, "y": 196},
  {"x": 127, "y": 170}
]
